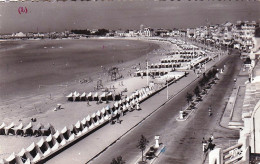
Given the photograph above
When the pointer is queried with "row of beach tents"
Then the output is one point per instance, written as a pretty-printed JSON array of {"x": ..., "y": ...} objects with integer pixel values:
[
  {"x": 28, "y": 130},
  {"x": 54, "y": 142},
  {"x": 105, "y": 96}
]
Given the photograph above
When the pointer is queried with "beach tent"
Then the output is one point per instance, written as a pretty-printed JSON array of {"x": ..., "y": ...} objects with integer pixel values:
[
  {"x": 37, "y": 129},
  {"x": 100, "y": 116},
  {"x": 79, "y": 126},
  {"x": 55, "y": 146},
  {"x": 33, "y": 150},
  {"x": 72, "y": 137},
  {"x": 127, "y": 99},
  {"x": 117, "y": 97},
  {"x": 11, "y": 158},
  {"x": 124, "y": 108},
  {"x": 47, "y": 130},
  {"x": 84, "y": 122},
  {"x": 70, "y": 97},
  {"x": 43, "y": 145},
  {"x": 103, "y": 96},
  {"x": 85, "y": 130},
  {"x": 116, "y": 104},
  {"x": 96, "y": 97},
  {"x": 76, "y": 96},
  {"x": 79, "y": 134},
  {"x": 74, "y": 129},
  {"x": 110, "y": 96},
  {"x": 95, "y": 119},
  {"x": 2, "y": 129},
  {"x": 27, "y": 130},
  {"x": 19, "y": 129},
  {"x": 9, "y": 129},
  {"x": 83, "y": 97},
  {"x": 90, "y": 123},
  {"x": 66, "y": 133},
  {"x": 37, "y": 158},
  {"x": 51, "y": 142},
  {"x": 127, "y": 106},
  {"x": 90, "y": 97},
  {"x": 63, "y": 142},
  {"x": 108, "y": 111},
  {"x": 58, "y": 136},
  {"x": 22, "y": 155},
  {"x": 103, "y": 112},
  {"x": 28, "y": 161}
]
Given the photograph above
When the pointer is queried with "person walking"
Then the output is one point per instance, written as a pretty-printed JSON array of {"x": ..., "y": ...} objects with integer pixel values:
[{"x": 204, "y": 145}]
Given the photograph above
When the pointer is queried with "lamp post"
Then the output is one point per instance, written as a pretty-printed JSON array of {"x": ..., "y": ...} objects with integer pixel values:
[
  {"x": 147, "y": 76},
  {"x": 167, "y": 94}
]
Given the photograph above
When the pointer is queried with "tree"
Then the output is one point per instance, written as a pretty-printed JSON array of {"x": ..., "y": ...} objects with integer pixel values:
[
  {"x": 118, "y": 160},
  {"x": 142, "y": 143},
  {"x": 197, "y": 91},
  {"x": 189, "y": 97},
  {"x": 101, "y": 32}
]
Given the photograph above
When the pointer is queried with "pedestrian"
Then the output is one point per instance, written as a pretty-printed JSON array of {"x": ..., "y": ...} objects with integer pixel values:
[
  {"x": 212, "y": 137},
  {"x": 204, "y": 144}
]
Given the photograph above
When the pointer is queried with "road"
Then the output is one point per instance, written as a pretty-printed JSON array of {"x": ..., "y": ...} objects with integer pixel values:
[{"x": 182, "y": 139}]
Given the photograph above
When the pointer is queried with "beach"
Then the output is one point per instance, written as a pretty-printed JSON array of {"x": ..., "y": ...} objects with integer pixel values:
[{"x": 32, "y": 87}]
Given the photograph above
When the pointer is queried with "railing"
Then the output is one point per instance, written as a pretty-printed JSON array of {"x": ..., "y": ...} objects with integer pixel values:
[{"x": 233, "y": 154}]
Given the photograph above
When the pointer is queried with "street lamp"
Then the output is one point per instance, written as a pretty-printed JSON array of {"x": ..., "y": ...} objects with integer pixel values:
[{"x": 167, "y": 94}]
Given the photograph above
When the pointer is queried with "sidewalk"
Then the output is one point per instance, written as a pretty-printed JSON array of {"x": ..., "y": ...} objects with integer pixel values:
[
  {"x": 96, "y": 143},
  {"x": 232, "y": 117}
]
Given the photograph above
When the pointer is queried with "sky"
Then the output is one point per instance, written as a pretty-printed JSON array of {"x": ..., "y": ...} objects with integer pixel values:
[{"x": 60, "y": 16}]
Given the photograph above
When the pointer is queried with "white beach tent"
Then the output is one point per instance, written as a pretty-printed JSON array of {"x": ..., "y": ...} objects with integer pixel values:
[
  {"x": 96, "y": 121},
  {"x": 103, "y": 111},
  {"x": 43, "y": 145},
  {"x": 76, "y": 96},
  {"x": 89, "y": 96},
  {"x": 100, "y": 117},
  {"x": 8, "y": 128},
  {"x": 83, "y": 97},
  {"x": 66, "y": 132},
  {"x": 22, "y": 155},
  {"x": 72, "y": 137},
  {"x": 84, "y": 122},
  {"x": 103, "y": 96},
  {"x": 124, "y": 108},
  {"x": 110, "y": 96},
  {"x": 58, "y": 136},
  {"x": 32, "y": 150},
  {"x": 50, "y": 141},
  {"x": 36, "y": 158},
  {"x": 2, "y": 125},
  {"x": 78, "y": 126},
  {"x": 2, "y": 129},
  {"x": 11, "y": 158},
  {"x": 116, "y": 104},
  {"x": 90, "y": 122},
  {"x": 56, "y": 146},
  {"x": 19, "y": 129},
  {"x": 70, "y": 97},
  {"x": 96, "y": 97}
]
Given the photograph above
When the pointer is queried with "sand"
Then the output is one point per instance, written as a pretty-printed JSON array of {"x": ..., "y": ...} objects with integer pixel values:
[{"x": 39, "y": 101}]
